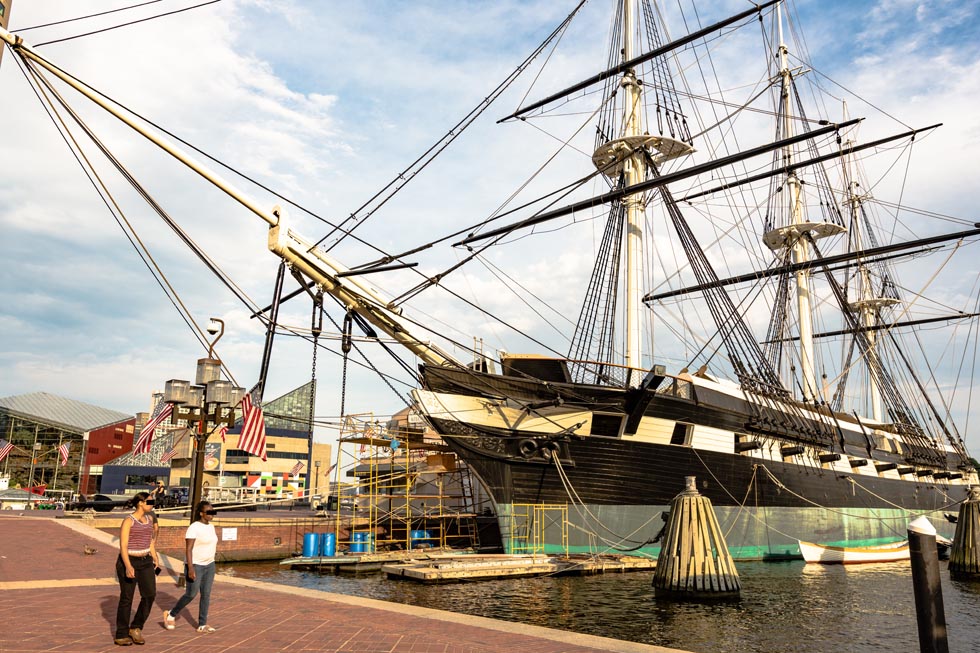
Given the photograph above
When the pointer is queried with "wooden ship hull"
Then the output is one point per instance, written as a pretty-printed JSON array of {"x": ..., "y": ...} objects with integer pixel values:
[{"x": 614, "y": 475}]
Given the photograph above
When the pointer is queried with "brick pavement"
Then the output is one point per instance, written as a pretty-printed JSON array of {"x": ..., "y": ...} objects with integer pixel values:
[{"x": 54, "y": 597}]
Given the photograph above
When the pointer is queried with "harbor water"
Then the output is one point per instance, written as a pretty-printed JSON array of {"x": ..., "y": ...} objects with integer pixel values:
[{"x": 785, "y": 606}]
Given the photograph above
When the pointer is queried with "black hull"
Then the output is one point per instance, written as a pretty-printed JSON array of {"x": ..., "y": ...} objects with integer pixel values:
[
  {"x": 613, "y": 487},
  {"x": 611, "y": 471},
  {"x": 621, "y": 491}
]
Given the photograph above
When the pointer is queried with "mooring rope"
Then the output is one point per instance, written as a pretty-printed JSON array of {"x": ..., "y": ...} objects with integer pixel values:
[
  {"x": 574, "y": 496},
  {"x": 908, "y": 512}
]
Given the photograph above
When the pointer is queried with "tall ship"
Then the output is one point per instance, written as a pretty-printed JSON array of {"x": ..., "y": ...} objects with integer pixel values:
[
  {"x": 785, "y": 434},
  {"x": 743, "y": 321}
]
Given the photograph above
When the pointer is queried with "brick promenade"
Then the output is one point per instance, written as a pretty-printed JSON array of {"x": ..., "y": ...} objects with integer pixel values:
[{"x": 53, "y": 597}]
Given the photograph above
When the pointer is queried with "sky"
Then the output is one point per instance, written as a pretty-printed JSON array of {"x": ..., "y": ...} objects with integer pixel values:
[{"x": 325, "y": 102}]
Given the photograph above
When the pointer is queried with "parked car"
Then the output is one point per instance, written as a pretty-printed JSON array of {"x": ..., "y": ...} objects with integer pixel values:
[
  {"x": 100, "y": 503},
  {"x": 338, "y": 503}
]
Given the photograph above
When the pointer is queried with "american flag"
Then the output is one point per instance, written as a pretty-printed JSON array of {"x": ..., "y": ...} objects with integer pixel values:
[
  {"x": 296, "y": 468},
  {"x": 160, "y": 413},
  {"x": 63, "y": 450},
  {"x": 252, "y": 438},
  {"x": 5, "y": 448},
  {"x": 171, "y": 453},
  {"x": 222, "y": 432}
]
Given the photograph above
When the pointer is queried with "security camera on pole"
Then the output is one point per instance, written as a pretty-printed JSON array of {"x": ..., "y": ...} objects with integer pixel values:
[{"x": 209, "y": 403}]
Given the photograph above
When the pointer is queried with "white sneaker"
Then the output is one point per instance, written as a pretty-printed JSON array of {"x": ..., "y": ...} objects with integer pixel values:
[
  {"x": 168, "y": 621},
  {"x": 205, "y": 629}
]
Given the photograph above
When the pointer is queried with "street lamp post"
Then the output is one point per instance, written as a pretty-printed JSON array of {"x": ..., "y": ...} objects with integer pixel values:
[
  {"x": 207, "y": 404},
  {"x": 316, "y": 482},
  {"x": 34, "y": 457}
]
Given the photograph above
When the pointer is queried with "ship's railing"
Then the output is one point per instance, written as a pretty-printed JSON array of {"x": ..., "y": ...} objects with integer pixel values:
[
  {"x": 677, "y": 388},
  {"x": 603, "y": 373}
]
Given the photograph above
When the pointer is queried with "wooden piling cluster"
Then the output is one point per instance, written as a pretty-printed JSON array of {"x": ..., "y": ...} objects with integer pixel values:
[
  {"x": 964, "y": 556},
  {"x": 694, "y": 562}
]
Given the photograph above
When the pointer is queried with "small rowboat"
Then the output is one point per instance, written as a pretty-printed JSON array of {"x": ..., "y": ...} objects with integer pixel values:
[{"x": 845, "y": 555}]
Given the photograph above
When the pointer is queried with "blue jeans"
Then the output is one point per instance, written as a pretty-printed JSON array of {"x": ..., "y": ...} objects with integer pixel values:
[{"x": 203, "y": 579}]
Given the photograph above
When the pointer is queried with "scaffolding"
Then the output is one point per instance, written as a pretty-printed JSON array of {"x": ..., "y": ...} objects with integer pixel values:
[
  {"x": 530, "y": 521},
  {"x": 409, "y": 491}
]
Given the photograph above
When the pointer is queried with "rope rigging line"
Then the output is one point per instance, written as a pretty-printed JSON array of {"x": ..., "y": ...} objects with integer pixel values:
[
  {"x": 101, "y": 13},
  {"x": 141, "y": 249},
  {"x": 554, "y": 197},
  {"x": 496, "y": 214},
  {"x": 205, "y": 154},
  {"x": 236, "y": 172},
  {"x": 38, "y": 84},
  {"x": 208, "y": 262},
  {"x": 774, "y": 410},
  {"x": 347, "y": 343},
  {"x": 901, "y": 409},
  {"x": 409, "y": 173},
  {"x": 291, "y": 331},
  {"x": 435, "y": 280},
  {"x": 580, "y": 507},
  {"x": 947, "y": 405},
  {"x": 854, "y": 483},
  {"x": 498, "y": 272},
  {"x": 133, "y": 22},
  {"x": 141, "y": 190},
  {"x": 778, "y": 483}
]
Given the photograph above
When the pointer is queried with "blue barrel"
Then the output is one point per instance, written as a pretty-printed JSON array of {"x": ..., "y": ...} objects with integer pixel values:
[
  {"x": 357, "y": 542},
  {"x": 329, "y": 541},
  {"x": 368, "y": 542},
  {"x": 311, "y": 545},
  {"x": 420, "y": 538}
]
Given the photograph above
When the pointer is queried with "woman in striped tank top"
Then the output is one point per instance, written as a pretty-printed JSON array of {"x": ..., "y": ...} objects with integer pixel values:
[{"x": 136, "y": 566}]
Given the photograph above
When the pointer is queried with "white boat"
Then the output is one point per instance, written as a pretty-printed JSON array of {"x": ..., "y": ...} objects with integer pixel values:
[{"x": 846, "y": 555}]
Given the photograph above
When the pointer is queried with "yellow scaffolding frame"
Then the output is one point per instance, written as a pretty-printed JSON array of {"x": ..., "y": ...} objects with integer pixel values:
[
  {"x": 528, "y": 522},
  {"x": 402, "y": 481}
]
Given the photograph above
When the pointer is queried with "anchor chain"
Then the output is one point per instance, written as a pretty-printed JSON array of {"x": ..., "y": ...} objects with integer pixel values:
[
  {"x": 316, "y": 327},
  {"x": 345, "y": 347}
]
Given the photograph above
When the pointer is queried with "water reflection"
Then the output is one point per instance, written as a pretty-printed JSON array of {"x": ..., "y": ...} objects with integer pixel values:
[{"x": 784, "y": 606}]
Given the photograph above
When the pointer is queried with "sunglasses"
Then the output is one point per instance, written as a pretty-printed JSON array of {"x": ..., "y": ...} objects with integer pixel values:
[{"x": 209, "y": 512}]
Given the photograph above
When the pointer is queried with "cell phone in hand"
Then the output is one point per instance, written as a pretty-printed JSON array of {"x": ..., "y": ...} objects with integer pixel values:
[{"x": 157, "y": 570}]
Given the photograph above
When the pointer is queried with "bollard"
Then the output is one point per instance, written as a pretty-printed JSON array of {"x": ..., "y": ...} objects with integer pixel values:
[
  {"x": 930, "y": 615},
  {"x": 964, "y": 556},
  {"x": 694, "y": 562}
]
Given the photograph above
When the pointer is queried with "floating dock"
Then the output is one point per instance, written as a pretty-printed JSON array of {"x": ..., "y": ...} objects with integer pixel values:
[
  {"x": 488, "y": 567},
  {"x": 368, "y": 562},
  {"x": 453, "y": 566}
]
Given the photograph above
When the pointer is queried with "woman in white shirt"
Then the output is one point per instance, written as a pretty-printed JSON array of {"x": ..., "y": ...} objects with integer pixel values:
[{"x": 201, "y": 543}]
